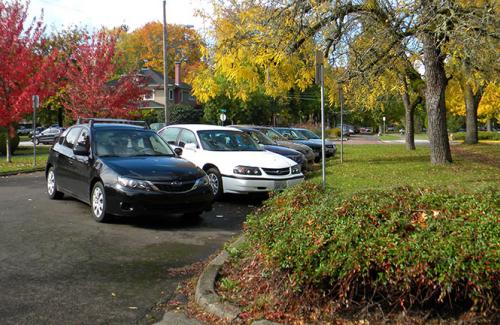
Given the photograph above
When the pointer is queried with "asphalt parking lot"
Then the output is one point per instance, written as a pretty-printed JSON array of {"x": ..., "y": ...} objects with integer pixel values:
[{"x": 58, "y": 266}]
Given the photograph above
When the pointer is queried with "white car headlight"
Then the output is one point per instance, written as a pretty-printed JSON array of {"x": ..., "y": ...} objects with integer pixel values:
[
  {"x": 296, "y": 169},
  {"x": 136, "y": 184},
  {"x": 245, "y": 170}
]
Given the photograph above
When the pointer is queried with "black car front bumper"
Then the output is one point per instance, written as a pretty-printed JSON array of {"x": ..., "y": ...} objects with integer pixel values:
[{"x": 122, "y": 201}]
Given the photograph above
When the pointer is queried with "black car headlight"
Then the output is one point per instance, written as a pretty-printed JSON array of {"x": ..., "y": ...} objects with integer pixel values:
[
  {"x": 296, "y": 169},
  {"x": 245, "y": 170},
  {"x": 202, "y": 181},
  {"x": 136, "y": 184}
]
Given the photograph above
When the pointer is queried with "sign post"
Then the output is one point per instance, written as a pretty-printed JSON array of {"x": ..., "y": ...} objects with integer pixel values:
[
  {"x": 383, "y": 128},
  {"x": 36, "y": 104},
  {"x": 341, "y": 100}
]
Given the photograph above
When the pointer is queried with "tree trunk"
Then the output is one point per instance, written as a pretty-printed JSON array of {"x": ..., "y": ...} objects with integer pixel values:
[
  {"x": 60, "y": 118},
  {"x": 488, "y": 125},
  {"x": 435, "y": 78},
  {"x": 409, "y": 119},
  {"x": 7, "y": 143},
  {"x": 470, "y": 115}
]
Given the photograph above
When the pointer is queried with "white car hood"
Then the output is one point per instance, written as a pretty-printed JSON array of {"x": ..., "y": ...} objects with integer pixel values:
[{"x": 227, "y": 160}]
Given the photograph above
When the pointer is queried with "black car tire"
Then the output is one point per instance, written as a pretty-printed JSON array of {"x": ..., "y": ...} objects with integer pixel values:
[
  {"x": 98, "y": 203},
  {"x": 52, "y": 191},
  {"x": 196, "y": 215},
  {"x": 215, "y": 180}
]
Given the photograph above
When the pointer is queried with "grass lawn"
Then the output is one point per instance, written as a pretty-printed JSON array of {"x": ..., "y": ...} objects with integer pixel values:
[
  {"x": 387, "y": 166},
  {"x": 22, "y": 160}
]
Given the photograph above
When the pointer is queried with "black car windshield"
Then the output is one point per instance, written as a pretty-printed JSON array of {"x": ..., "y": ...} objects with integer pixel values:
[
  {"x": 308, "y": 134},
  {"x": 261, "y": 138},
  {"x": 273, "y": 134},
  {"x": 226, "y": 140},
  {"x": 130, "y": 143},
  {"x": 291, "y": 134}
]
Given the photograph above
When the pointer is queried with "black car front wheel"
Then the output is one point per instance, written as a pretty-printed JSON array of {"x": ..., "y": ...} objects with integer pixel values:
[
  {"x": 98, "y": 203},
  {"x": 52, "y": 191}
]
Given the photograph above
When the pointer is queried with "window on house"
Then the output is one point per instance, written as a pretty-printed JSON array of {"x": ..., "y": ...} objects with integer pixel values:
[{"x": 170, "y": 94}]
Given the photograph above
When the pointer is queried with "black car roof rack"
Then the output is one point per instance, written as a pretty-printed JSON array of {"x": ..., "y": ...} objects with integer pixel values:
[{"x": 91, "y": 121}]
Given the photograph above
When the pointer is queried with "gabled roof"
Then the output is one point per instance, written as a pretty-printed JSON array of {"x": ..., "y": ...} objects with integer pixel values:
[{"x": 155, "y": 79}]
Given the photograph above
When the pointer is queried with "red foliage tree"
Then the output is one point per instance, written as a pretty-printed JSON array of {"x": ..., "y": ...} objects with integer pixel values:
[
  {"x": 24, "y": 71},
  {"x": 90, "y": 90}
]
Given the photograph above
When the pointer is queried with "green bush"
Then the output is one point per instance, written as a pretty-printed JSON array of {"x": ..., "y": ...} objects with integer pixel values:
[
  {"x": 184, "y": 114},
  {"x": 14, "y": 142},
  {"x": 333, "y": 133},
  {"x": 406, "y": 247},
  {"x": 482, "y": 135}
]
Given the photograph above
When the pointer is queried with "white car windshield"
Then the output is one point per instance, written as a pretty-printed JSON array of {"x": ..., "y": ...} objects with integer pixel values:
[{"x": 226, "y": 140}]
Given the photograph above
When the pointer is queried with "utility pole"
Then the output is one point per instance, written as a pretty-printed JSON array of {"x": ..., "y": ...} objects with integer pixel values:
[
  {"x": 341, "y": 100},
  {"x": 36, "y": 104},
  {"x": 320, "y": 71},
  {"x": 165, "y": 65}
]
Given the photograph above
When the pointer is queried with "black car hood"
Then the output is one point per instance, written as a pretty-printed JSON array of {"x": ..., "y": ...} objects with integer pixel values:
[
  {"x": 281, "y": 150},
  {"x": 309, "y": 143},
  {"x": 160, "y": 168}
]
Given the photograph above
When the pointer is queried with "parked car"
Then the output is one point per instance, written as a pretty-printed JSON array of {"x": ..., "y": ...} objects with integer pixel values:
[
  {"x": 47, "y": 136},
  {"x": 123, "y": 169},
  {"x": 297, "y": 137},
  {"x": 272, "y": 146},
  {"x": 281, "y": 141},
  {"x": 330, "y": 147},
  {"x": 38, "y": 130},
  {"x": 22, "y": 130},
  {"x": 234, "y": 162}
]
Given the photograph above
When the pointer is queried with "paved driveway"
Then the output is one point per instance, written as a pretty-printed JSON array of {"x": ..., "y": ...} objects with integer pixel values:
[{"x": 58, "y": 266}]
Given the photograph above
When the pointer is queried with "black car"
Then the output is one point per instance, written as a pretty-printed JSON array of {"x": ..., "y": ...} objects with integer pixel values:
[
  {"x": 272, "y": 146},
  {"x": 330, "y": 147},
  {"x": 299, "y": 138},
  {"x": 123, "y": 169},
  {"x": 47, "y": 136}
]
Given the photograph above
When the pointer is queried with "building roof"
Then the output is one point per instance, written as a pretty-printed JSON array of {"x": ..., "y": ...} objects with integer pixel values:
[
  {"x": 150, "y": 104},
  {"x": 155, "y": 79}
]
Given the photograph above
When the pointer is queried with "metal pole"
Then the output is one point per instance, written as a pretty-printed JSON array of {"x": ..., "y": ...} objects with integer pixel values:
[
  {"x": 341, "y": 99},
  {"x": 165, "y": 65},
  {"x": 323, "y": 167},
  {"x": 36, "y": 102}
]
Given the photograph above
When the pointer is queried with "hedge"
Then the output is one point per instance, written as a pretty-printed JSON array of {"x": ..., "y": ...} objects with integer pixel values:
[
  {"x": 409, "y": 247},
  {"x": 481, "y": 135}
]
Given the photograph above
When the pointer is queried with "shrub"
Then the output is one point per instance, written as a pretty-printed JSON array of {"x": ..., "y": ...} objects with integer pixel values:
[
  {"x": 482, "y": 135},
  {"x": 407, "y": 248},
  {"x": 333, "y": 133},
  {"x": 182, "y": 113},
  {"x": 14, "y": 142}
]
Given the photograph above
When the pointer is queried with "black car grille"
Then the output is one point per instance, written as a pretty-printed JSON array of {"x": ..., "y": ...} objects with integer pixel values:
[
  {"x": 175, "y": 186},
  {"x": 276, "y": 171}
]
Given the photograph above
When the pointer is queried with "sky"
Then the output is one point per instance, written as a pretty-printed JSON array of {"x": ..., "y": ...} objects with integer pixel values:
[{"x": 112, "y": 13}]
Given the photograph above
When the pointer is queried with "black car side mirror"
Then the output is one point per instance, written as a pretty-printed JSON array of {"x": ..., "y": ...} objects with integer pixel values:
[
  {"x": 81, "y": 150},
  {"x": 178, "y": 151}
]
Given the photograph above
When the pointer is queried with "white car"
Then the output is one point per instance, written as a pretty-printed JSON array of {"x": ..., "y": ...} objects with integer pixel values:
[{"x": 233, "y": 161}]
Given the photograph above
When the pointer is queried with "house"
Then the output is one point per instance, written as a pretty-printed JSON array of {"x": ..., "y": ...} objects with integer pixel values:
[{"x": 178, "y": 92}]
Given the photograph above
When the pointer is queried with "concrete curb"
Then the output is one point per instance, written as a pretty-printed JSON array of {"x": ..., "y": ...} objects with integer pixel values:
[
  {"x": 13, "y": 173},
  {"x": 207, "y": 298},
  {"x": 205, "y": 295}
]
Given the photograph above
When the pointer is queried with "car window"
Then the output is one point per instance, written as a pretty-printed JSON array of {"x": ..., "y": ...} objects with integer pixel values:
[
  {"x": 71, "y": 137},
  {"x": 187, "y": 137},
  {"x": 130, "y": 143},
  {"x": 169, "y": 135},
  {"x": 226, "y": 140},
  {"x": 83, "y": 139}
]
